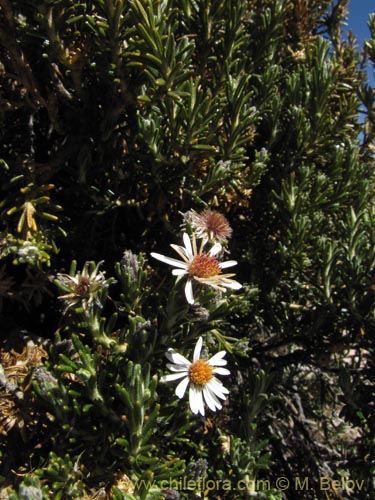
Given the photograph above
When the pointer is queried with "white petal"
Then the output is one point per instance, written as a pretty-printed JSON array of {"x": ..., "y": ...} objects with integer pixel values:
[
  {"x": 225, "y": 280},
  {"x": 197, "y": 350},
  {"x": 196, "y": 400},
  {"x": 169, "y": 260},
  {"x": 181, "y": 388},
  {"x": 217, "y": 388},
  {"x": 212, "y": 402},
  {"x": 177, "y": 358},
  {"x": 177, "y": 368},
  {"x": 181, "y": 252},
  {"x": 218, "y": 385},
  {"x": 221, "y": 371},
  {"x": 216, "y": 359},
  {"x": 231, "y": 284},
  {"x": 193, "y": 400},
  {"x": 179, "y": 249},
  {"x": 209, "y": 282},
  {"x": 172, "y": 376},
  {"x": 215, "y": 249},
  {"x": 201, "y": 408},
  {"x": 179, "y": 272},
  {"x": 217, "y": 362},
  {"x": 189, "y": 292},
  {"x": 228, "y": 263},
  {"x": 188, "y": 246}
]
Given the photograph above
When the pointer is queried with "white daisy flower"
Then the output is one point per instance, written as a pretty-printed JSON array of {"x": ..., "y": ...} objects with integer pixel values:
[
  {"x": 200, "y": 266},
  {"x": 200, "y": 376}
]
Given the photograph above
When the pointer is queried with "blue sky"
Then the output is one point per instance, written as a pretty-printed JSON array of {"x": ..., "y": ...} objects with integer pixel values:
[{"x": 359, "y": 11}]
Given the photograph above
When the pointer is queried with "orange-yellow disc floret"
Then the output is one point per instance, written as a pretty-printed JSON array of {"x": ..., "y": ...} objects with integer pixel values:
[
  {"x": 204, "y": 266},
  {"x": 200, "y": 372}
]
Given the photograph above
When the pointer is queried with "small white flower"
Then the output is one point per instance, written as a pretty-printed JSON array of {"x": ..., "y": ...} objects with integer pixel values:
[
  {"x": 27, "y": 250},
  {"x": 28, "y": 253},
  {"x": 84, "y": 287},
  {"x": 200, "y": 376},
  {"x": 200, "y": 266}
]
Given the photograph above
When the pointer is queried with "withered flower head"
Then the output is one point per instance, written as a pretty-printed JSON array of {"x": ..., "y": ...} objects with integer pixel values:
[{"x": 210, "y": 225}]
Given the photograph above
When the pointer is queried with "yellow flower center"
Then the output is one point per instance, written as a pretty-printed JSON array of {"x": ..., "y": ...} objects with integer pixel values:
[
  {"x": 204, "y": 266},
  {"x": 200, "y": 372}
]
